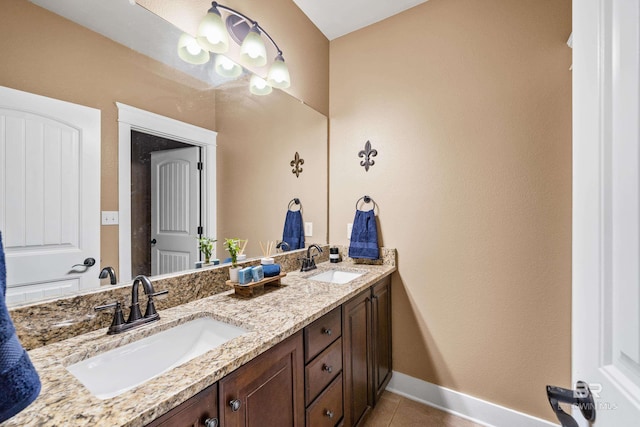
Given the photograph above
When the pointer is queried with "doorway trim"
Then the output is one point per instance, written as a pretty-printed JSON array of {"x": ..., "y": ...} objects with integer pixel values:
[{"x": 131, "y": 118}]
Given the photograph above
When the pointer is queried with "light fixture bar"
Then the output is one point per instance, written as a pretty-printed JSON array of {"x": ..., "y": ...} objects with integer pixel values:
[
  {"x": 251, "y": 21},
  {"x": 247, "y": 33}
]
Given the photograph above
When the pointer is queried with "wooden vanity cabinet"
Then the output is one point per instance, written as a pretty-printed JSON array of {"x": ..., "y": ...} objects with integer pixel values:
[
  {"x": 330, "y": 374},
  {"x": 381, "y": 342},
  {"x": 267, "y": 391},
  {"x": 356, "y": 339},
  {"x": 366, "y": 337},
  {"x": 323, "y": 371},
  {"x": 199, "y": 411}
]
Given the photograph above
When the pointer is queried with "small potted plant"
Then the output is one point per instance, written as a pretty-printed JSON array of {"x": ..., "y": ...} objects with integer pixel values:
[
  {"x": 206, "y": 247},
  {"x": 233, "y": 246}
]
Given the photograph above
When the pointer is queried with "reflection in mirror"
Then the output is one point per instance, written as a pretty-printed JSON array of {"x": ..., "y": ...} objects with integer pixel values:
[
  {"x": 257, "y": 137},
  {"x": 151, "y": 153}
]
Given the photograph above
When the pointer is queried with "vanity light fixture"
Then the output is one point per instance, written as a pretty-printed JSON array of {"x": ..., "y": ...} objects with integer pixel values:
[
  {"x": 253, "y": 51},
  {"x": 258, "y": 86},
  {"x": 190, "y": 51},
  {"x": 226, "y": 67},
  {"x": 213, "y": 36}
]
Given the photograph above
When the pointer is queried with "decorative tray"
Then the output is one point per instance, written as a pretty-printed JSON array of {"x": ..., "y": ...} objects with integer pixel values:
[{"x": 253, "y": 289}]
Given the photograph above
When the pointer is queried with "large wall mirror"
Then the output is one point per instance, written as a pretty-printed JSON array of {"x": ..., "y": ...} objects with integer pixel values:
[{"x": 256, "y": 137}]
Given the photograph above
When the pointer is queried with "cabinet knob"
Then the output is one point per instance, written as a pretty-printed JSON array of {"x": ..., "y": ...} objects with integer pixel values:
[
  {"x": 329, "y": 413},
  {"x": 235, "y": 404},
  {"x": 211, "y": 422},
  {"x": 327, "y": 368},
  {"x": 326, "y": 331}
]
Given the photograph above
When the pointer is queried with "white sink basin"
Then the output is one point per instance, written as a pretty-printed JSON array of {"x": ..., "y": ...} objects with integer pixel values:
[
  {"x": 116, "y": 371},
  {"x": 338, "y": 277}
]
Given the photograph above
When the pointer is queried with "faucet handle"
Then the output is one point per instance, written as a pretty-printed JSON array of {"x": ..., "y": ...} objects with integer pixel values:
[
  {"x": 156, "y": 294},
  {"x": 118, "y": 317},
  {"x": 151, "y": 307}
]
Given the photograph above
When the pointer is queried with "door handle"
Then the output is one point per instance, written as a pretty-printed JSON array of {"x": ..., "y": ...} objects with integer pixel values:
[
  {"x": 88, "y": 262},
  {"x": 154, "y": 241},
  {"x": 580, "y": 397}
]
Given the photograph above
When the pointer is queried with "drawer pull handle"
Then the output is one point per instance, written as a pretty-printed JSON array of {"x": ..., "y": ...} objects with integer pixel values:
[
  {"x": 211, "y": 422},
  {"x": 235, "y": 405},
  {"x": 327, "y": 368},
  {"x": 329, "y": 413},
  {"x": 326, "y": 331}
]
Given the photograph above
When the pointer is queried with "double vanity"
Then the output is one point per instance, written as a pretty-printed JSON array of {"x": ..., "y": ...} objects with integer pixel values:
[{"x": 315, "y": 351}]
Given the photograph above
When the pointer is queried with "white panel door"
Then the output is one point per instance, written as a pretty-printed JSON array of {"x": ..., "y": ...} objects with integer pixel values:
[
  {"x": 606, "y": 207},
  {"x": 175, "y": 209},
  {"x": 50, "y": 188}
]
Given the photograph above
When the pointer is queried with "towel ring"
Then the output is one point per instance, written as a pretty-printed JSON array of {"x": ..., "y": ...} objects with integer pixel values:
[
  {"x": 293, "y": 202},
  {"x": 367, "y": 199}
]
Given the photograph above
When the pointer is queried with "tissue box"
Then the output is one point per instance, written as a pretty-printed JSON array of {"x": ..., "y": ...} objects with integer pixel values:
[
  {"x": 257, "y": 273},
  {"x": 245, "y": 276}
]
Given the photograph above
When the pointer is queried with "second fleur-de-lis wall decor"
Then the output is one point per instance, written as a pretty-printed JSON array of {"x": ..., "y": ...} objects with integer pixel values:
[
  {"x": 295, "y": 163},
  {"x": 367, "y": 153}
]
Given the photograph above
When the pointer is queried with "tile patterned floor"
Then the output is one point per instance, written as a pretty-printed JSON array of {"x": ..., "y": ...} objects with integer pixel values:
[{"x": 396, "y": 411}]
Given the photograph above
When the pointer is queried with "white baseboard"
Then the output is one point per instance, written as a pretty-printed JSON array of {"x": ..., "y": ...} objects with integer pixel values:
[{"x": 460, "y": 404}]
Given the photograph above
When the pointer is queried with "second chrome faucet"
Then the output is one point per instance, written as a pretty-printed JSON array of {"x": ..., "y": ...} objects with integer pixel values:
[{"x": 136, "y": 318}]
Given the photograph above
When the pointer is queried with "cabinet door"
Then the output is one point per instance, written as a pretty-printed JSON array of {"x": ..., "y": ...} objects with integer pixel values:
[
  {"x": 381, "y": 343},
  {"x": 199, "y": 411},
  {"x": 267, "y": 391},
  {"x": 356, "y": 339}
]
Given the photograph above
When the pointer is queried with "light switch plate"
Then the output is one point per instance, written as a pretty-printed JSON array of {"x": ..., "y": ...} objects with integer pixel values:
[
  {"x": 308, "y": 229},
  {"x": 349, "y": 227},
  {"x": 110, "y": 218}
]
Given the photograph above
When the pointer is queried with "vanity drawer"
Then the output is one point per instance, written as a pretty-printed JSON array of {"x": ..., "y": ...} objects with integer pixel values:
[
  {"x": 322, "y": 370},
  {"x": 322, "y": 332},
  {"x": 326, "y": 410}
]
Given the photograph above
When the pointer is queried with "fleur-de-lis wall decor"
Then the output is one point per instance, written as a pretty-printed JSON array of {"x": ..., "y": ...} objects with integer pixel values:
[
  {"x": 367, "y": 153},
  {"x": 295, "y": 163}
]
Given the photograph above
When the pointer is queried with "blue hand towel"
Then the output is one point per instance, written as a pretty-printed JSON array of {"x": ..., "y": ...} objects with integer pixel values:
[
  {"x": 19, "y": 381},
  {"x": 293, "y": 232},
  {"x": 271, "y": 270},
  {"x": 364, "y": 236}
]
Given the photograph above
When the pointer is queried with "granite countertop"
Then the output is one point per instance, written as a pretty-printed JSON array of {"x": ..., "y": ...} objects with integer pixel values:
[{"x": 270, "y": 318}]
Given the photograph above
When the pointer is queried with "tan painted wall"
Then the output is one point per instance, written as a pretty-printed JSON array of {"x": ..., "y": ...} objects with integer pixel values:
[{"x": 469, "y": 106}]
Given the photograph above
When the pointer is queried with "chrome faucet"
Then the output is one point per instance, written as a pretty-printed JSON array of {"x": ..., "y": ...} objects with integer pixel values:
[
  {"x": 309, "y": 263},
  {"x": 111, "y": 273},
  {"x": 136, "y": 318}
]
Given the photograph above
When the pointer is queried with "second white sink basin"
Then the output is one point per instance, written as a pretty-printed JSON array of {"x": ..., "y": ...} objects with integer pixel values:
[
  {"x": 338, "y": 277},
  {"x": 115, "y": 371}
]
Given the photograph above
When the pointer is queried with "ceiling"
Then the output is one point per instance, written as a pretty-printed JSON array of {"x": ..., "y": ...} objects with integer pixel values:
[{"x": 335, "y": 18}]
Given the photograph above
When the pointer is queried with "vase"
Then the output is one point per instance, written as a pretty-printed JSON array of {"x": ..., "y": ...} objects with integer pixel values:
[{"x": 233, "y": 273}]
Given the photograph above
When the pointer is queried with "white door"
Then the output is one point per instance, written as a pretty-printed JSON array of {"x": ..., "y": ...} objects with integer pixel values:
[
  {"x": 175, "y": 209},
  {"x": 50, "y": 188},
  {"x": 606, "y": 207}
]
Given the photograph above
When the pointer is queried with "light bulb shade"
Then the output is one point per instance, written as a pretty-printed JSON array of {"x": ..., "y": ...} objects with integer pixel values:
[
  {"x": 190, "y": 51},
  {"x": 278, "y": 76},
  {"x": 226, "y": 67},
  {"x": 212, "y": 34},
  {"x": 253, "y": 51},
  {"x": 258, "y": 86}
]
